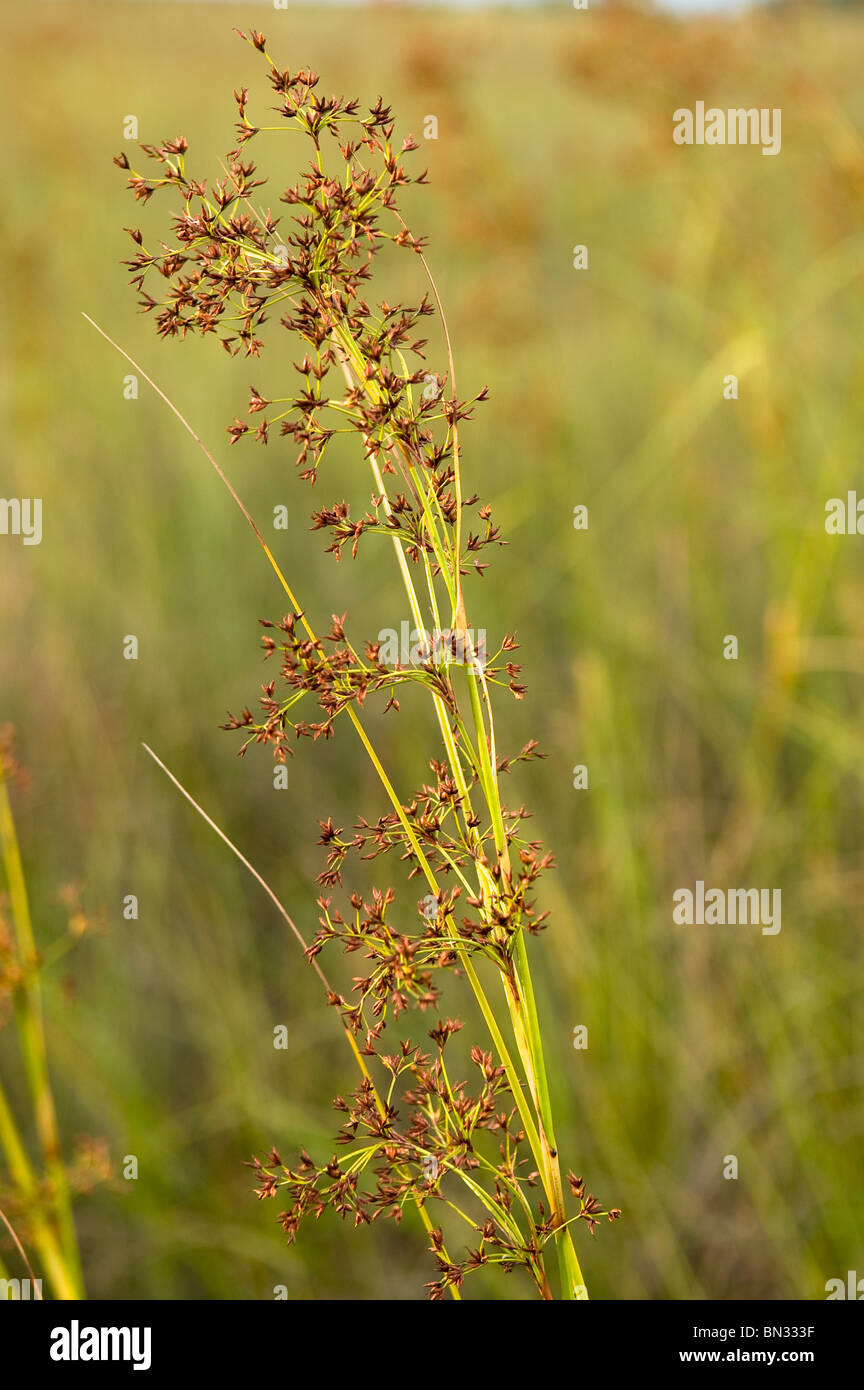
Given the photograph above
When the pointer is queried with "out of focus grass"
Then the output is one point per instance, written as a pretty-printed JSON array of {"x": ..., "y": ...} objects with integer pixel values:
[{"x": 706, "y": 518}]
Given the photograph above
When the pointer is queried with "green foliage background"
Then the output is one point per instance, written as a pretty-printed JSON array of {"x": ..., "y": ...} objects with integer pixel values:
[{"x": 706, "y": 518}]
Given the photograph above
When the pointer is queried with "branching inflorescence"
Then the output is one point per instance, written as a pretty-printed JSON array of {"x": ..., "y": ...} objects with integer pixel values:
[{"x": 414, "y": 1128}]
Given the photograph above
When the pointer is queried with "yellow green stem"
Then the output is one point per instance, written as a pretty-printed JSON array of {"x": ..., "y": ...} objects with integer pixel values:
[{"x": 31, "y": 1028}]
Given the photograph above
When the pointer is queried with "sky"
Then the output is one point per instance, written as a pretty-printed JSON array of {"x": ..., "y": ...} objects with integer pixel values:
[
  {"x": 678, "y": 6},
  {"x": 685, "y": 6},
  {"x": 682, "y": 7}
]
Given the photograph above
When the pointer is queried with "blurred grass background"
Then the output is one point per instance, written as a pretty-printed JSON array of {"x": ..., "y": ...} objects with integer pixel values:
[{"x": 706, "y": 518}]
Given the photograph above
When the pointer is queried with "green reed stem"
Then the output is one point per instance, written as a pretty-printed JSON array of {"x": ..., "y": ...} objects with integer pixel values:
[
  {"x": 31, "y": 1029},
  {"x": 22, "y": 1174}
]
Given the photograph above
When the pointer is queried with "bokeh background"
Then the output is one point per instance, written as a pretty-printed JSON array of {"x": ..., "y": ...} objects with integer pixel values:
[{"x": 706, "y": 518}]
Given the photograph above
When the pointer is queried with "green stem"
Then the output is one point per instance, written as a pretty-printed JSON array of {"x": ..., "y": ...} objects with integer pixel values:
[
  {"x": 31, "y": 1028},
  {"x": 523, "y": 1011},
  {"x": 44, "y": 1237}
]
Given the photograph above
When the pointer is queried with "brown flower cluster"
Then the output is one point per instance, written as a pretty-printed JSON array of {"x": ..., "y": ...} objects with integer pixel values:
[{"x": 230, "y": 268}]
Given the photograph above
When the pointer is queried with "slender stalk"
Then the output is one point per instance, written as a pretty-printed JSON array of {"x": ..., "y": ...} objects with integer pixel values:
[
  {"x": 21, "y": 1251},
  {"x": 352, "y": 1043}
]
